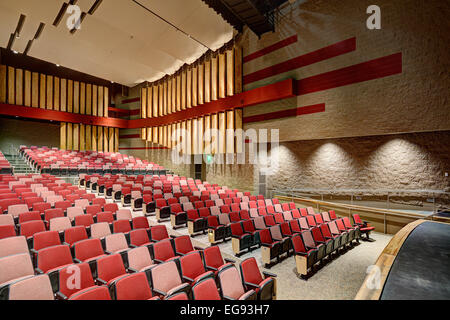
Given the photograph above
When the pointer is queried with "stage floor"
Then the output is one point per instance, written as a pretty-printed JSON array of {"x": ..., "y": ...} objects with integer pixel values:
[{"x": 421, "y": 269}]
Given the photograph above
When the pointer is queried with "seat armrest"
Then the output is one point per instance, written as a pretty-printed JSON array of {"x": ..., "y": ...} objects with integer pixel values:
[
  {"x": 211, "y": 268},
  {"x": 159, "y": 292},
  {"x": 76, "y": 260},
  {"x": 38, "y": 271},
  {"x": 158, "y": 261},
  {"x": 228, "y": 298},
  {"x": 229, "y": 260},
  {"x": 251, "y": 285},
  {"x": 188, "y": 279},
  {"x": 132, "y": 270},
  {"x": 198, "y": 248},
  {"x": 33, "y": 251},
  {"x": 102, "y": 282},
  {"x": 173, "y": 236},
  {"x": 61, "y": 296},
  {"x": 268, "y": 274},
  {"x": 108, "y": 252},
  {"x": 133, "y": 246}
]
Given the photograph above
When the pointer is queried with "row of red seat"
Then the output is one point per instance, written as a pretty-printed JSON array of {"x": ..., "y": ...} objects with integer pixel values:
[{"x": 5, "y": 166}]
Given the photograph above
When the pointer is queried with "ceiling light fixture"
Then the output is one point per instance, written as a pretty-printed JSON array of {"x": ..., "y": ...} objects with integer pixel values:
[{"x": 15, "y": 52}]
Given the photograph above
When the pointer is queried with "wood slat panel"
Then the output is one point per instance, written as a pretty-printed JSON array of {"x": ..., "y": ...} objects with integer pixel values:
[
  {"x": 63, "y": 136},
  {"x": 35, "y": 90},
  {"x": 160, "y": 100},
  {"x": 76, "y": 97},
  {"x": 194, "y": 136},
  {"x": 222, "y": 133},
  {"x": 165, "y": 97},
  {"x": 230, "y": 132},
  {"x": 186, "y": 139},
  {"x": 63, "y": 101},
  {"x": 208, "y": 80},
  {"x": 200, "y": 133},
  {"x": 69, "y": 95},
  {"x": 174, "y": 94},
  {"x": 3, "y": 83},
  {"x": 82, "y": 98},
  {"x": 214, "y": 78},
  {"x": 105, "y": 101},
  {"x": 94, "y": 138},
  {"x": 207, "y": 143},
  {"x": 69, "y": 136},
  {"x": 89, "y": 99},
  {"x": 238, "y": 69},
  {"x": 189, "y": 87},
  {"x": 143, "y": 133},
  {"x": 105, "y": 139},
  {"x": 169, "y": 136},
  {"x": 143, "y": 103},
  {"x": 238, "y": 124},
  {"x": 100, "y": 101},
  {"x": 222, "y": 75},
  {"x": 149, "y": 134},
  {"x": 56, "y": 94},
  {"x": 215, "y": 140},
  {"x": 149, "y": 102},
  {"x": 111, "y": 140},
  {"x": 116, "y": 139},
  {"x": 183, "y": 89},
  {"x": 82, "y": 137},
  {"x": 155, "y": 135},
  {"x": 194, "y": 86},
  {"x": 169, "y": 95},
  {"x": 178, "y": 92},
  {"x": 99, "y": 138},
  {"x": 19, "y": 87},
  {"x": 160, "y": 136},
  {"x": 230, "y": 72},
  {"x": 76, "y": 136},
  {"x": 201, "y": 83},
  {"x": 165, "y": 136},
  {"x": 11, "y": 85},
  {"x": 94, "y": 100},
  {"x": 27, "y": 89},
  {"x": 155, "y": 100},
  {"x": 49, "y": 103}
]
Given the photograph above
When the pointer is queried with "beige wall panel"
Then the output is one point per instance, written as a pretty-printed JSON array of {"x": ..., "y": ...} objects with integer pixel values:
[
  {"x": 160, "y": 100},
  {"x": 194, "y": 136},
  {"x": 27, "y": 89},
  {"x": 160, "y": 136},
  {"x": 69, "y": 95},
  {"x": 105, "y": 139},
  {"x": 35, "y": 90},
  {"x": 201, "y": 84},
  {"x": 76, "y": 136},
  {"x": 207, "y": 81},
  {"x": 238, "y": 71},
  {"x": 155, "y": 135},
  {"x": 42, "y": 91},
  {"x": 165, "y": 97},
  {"x": 178, "y": 92},
  {"x": 89, "y": 99},
  {"x": 94, "y": 100},
  {"x": 215, "y": 125},
  {"x": 155, "y": 100},
  {"x": 169, "y": 136},
  {"x": 94, "y": 138},
  {"x": 56, "y": 94},
  {"x": 169, "y": 95},
  {"x": 82, "y": 98},
  {"x": 230, "y": 72},
  {"x": 207, "y": 126},
  {"x": 214, "y": 78},
  {"x": 82, "y": 137},
  {"x": 116, "y": 139},
  {"x": 99, "y": 138},
  {"x": 111, "y": 140},
  {"x": 222, "y": 75},
  {"x": 143, "y": 103},
  {"x": 105, "y": 101},
  {"x": 200, "y": 133},
  {"x": 229, "y": 133},
  {"x": 76, "y": 97},
  {"x": 63, "y": 100},
  {"x": 63, "y": 136},
  {"x": 19, "y": 87},
  {"x": 3, "y": 84},
  {"x": 69, "y": 136},
  {"x": 11, "y": 85},
  {"x": 195, "y": 86},
  {"x": 183, "y": 89},
  {"x": 186, "y": 140},
  {"x": 49, "y": 104},
  {"x": 149, "y": 134},
  {"x": 189, "y": 88},
  {"x": 149, "y": 102},
  {"x": 100, "y": 98},
  {"x": 222, "y": 132},
  {"x": 174, "y": 93}
]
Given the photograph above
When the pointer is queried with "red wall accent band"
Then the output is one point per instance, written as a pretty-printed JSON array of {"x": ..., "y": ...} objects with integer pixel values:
[
  {"x": 131, "y": 100},
  {"x": 373, "y": 69},
  {"x": 331, "y": 51},
  {"x": 286, "y": 113},
  {"x": 130, "y": 136},
  {"x": 271, "y": 48}
]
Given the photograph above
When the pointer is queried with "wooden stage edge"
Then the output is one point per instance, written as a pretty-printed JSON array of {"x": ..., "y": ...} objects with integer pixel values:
[{"x": 384, "y": 263}]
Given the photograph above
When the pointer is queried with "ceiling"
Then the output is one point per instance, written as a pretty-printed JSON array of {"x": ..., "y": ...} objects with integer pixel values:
[{"x": 121, "y": 41}]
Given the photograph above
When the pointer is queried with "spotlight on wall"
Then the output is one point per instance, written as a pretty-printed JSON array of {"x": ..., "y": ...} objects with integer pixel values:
[
  {"x": 15, "y": 52},
  {"x": 57, "y": 65}
]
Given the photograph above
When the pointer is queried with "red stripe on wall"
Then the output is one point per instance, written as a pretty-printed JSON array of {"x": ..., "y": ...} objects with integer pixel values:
[
  {"x": 129, "y": 136},
  {"x": 144, "y": 148},
  {"x": 134, "y": 112},
  {"x": 331, "y": 51},
  {"x": 373, "y": 69},
  {"x": 131, "y": 100},
  {"x": 286, "y": 113},
  {"x": 269, "y": 49}
]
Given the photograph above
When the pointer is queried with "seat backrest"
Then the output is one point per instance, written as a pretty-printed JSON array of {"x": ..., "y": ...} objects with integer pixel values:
[
  {"x": 163, "y": 250},
  {"x": 15, "y": 266},
  {"x": 139, "y": 258},
  {"x": 93, "y": 209},
  {"x": 82, "y": 203},
  {"x": 297, "y": 244},
  {"x": 31, "y": 288},
  {"x": 183, "y": 244},
  {"x": 121, "y": 226},
  {"x": 123, "y": 214},
  {"x": 68, "y": 286},
  {"x": 6, "y": 220},
  {"x": 308, "y": 239},
  {"x": 93, "y": 293},
  {"x": 17, "y": 209},
  {"x": 111, "y": 207},
  {"x": 116, "y": 242},
  {"x": 158, "y": 232},
  {"x": 192, "y": 265},
  {"x": 213, "y": 257},
  {"x": 275, "y": 232},
  {"x": 29, "y": 228},
  {"x": 259, "y": 223},
  {"x": 53, "y": 257},
  {"x": 224, "y": 219},
  {"x": 250, "y": 272},
  {"x": 85, "y": 220},
  {"x": 132, "y": 287},
  {"x": 100, "y": 230},
  {"x": 110, "y": 267},
  {"x": 45, "y": 239},
  {"x": 230, "y": 282},
  {"x": 74, "y": 234},
  {"x": 205, "y": 289},
  {"x": 60, "y": 224},
  {"x": 165, "y": 276},
  {"x": 13, "y": 245},
  {"x": 88, "y": 248}
]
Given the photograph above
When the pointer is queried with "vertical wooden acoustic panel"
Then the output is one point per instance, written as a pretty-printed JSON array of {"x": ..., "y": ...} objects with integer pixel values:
[
  {"x": 63, "y": 136},
  {"x": 99, "y": 138},
  {"x": 176, "y": 135},
  {"x": 214, "y": 78},
  {"x": 82, "y": 98},
  {"x": 222, "y": 75},
  {"x": 169, "y": 136},
  {"x": 11, "y": 85},
  {"x": 76, "y": 97},
  {"x": 230, "y": 132},
  {"x": 143, "y": 133},
  {"x": 82, "y": 137},
  {"x": 105, "y": 139},
  {"x": 100, "y": 101},
  {"x": 169, "y": 95},
  {"x": 143, "y": 103},
  {"x": 105, "y": 101},
  {"x": 238, "y": 69},
  {"x": 155, "y": 100},
  {"x": 149, "y": 102},
  {"x": 27, "y": 89},
  {"x": 94, "y": 138},
  {"x": 214, "y": 139},
  {"x": 94, "y": 100},
  {"x": 238, "y": 124},
  {"x": 89, "y": 99},
  {"x": 194, "y": 86},
  {"x": 230, "y": 72},
  {"x": 155, "y": 135},
  {"x": 222, "y": 132},
  {"x": 194, "y": 136},
  {"x": 149, "y": 134},
  {"x": 116, "y": 139},
  {"x": 200, "y": 133},
  {"x": 3, "y": 84},
  {"x": 189, "y": 87},
  {"x": 160, "y": 136},
  {"x": 201, "y": 83},
  {"x": 35, "y": 90},
  {"x": 174, "y": 93},
  {"x": 178, "y": 92},
  {"x": 49, "y": 103},
  {"x": 76, "y": 136},
  {"x": 166, "y": 136},
  {"x": 19, "y": 87},
  {"x": 160, "y": 100},
  {"x": 56, "y": 94},
  {"x": 208, "y": 80},
  {"x": 63, "y": 100},
  {"x": 207, "y": 142},
  {"x": 186, "y": 139},
  {"x": 111, "y": 140},
  {"x": 165, "y": 97},
  {"x": 69, "y": 136},
  {"x": 69, "y": 95},
  {"x": 183, "y": 89},
  {"x": 88, "y": 138}
]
